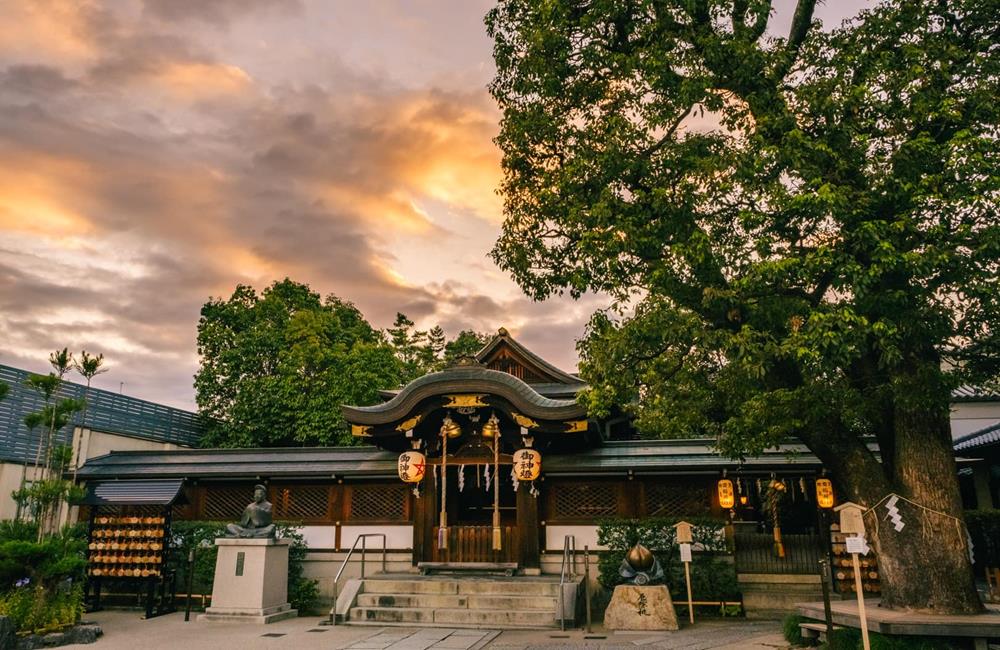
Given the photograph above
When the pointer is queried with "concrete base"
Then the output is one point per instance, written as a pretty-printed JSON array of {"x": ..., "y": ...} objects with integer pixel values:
[
  {"x": 772, "y": 596},
  {"x": 251, "y": 581},
  {"x": 640, "y": 608},
  {"x": 261, "y": 617}
]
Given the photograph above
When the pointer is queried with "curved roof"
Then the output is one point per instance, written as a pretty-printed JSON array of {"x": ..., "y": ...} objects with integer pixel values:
[{"x": 464, "y": 380}]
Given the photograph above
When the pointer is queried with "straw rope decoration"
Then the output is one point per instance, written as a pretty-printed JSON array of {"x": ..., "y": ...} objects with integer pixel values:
[{"x": 960, "y": 525}]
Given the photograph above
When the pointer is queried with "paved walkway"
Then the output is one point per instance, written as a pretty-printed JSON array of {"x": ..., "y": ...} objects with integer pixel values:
[{"x": 127, "y": 631}]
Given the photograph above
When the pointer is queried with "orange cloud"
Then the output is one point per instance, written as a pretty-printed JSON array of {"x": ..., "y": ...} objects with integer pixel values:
[
  {"x": 34, "y": 197},
  {"x": 195, "y": 80}
]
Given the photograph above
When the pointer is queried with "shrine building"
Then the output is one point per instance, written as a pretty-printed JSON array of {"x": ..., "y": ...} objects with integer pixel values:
[{"x": 492, "y": 460}]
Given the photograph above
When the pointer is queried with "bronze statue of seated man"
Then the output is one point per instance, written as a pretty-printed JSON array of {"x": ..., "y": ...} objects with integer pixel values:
[{"x": 256, "y": 521}]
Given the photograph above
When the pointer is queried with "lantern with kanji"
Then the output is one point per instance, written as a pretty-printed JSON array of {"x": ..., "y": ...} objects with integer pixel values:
[
  {"x": 527, "y": 464},
  {"x": 824, "y": 493},
  {"x": 411, "y": 466},
  {"x": 727, "y": 498}
]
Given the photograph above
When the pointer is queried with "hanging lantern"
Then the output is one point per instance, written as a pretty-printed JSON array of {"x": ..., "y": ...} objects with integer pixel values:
[
  {"x": 450, "y": 428},
  {"x": 726, "y": 496},
  {"x": 412, "y": 466},
  {"x": 824, "y": 493},
  {"x": 527, "y": 464},
  {"x": 492, "y": 427}
]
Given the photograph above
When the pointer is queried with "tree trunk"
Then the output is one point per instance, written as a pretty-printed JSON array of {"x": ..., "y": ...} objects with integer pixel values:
[{"x": 926, "y": 565}]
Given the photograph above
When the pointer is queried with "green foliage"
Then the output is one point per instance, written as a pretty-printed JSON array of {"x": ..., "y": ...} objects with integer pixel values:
[
  {"x": 55, "y": 558},
  {"x": 791, "y": 631},
  {"x": 984, "y": 528},
  {"x": 421, "y": 352},
  {"x": 798, "y": 235},
  {"x": 713, "y": 576},
  {"x": 34, "y": 609},
  {"x": 4, "y": 389},
  {"x": 276, "y": 367},
  {"x": 303, "y": 593}
]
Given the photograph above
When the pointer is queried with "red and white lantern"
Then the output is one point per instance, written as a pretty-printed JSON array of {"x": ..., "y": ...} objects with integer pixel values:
[{"x": 412, "y": 466}]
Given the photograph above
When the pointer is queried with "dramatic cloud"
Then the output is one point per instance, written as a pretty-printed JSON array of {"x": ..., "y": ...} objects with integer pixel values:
[{"x": 154, "y": 153}]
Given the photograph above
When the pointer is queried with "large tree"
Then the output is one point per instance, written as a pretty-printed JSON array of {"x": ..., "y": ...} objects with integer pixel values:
[
  {"x": 276, "y": 366},
  {"x": 799, "y": 232}
]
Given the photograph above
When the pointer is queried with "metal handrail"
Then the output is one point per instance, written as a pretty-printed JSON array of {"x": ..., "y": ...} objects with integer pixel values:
[
  {"x": 343, "y": 565},
  {"x": 568, "y": 542}
]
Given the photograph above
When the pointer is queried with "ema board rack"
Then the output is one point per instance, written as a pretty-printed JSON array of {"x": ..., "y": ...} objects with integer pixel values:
[
  {"x": 842, "y": 567},
  {"x": 128, "y": 551}
]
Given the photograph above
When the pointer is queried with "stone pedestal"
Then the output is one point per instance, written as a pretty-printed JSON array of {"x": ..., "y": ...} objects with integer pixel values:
[
  {"x": 251, "y": 581},
  {"x": 640, "y": 608}
]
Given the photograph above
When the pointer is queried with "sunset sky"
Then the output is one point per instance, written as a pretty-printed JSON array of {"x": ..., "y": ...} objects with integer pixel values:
[{"x": 154, "y": 153}]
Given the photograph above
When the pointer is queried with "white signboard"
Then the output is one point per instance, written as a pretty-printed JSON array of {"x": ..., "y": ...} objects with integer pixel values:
[
  {"x": 857, "y": 544},
  {"x": 685, "y": 552}
]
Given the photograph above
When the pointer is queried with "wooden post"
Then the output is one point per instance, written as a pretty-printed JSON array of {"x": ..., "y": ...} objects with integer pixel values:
[
  {"x": 852, "y": 523},
  {"x": 861, "y": 602},
  {"x": 685, "y": 537},
  {"x": 687, "y": 578},
  {"x": 527, "y": 524}
]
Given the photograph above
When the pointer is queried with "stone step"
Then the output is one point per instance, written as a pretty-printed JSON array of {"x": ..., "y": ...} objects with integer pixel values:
[
  {"x": 412, "y": 600},
  {"x": 436, "y": 601},
  {"x": 508, "y": 588},
  {"x": 515, "y": 603},
  {"x": 452, "y": 617},
  {"x": 462, "y": 587}
]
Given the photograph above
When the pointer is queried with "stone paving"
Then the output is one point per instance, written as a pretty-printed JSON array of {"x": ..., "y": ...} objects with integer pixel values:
[{"x": 125, "y": 630}]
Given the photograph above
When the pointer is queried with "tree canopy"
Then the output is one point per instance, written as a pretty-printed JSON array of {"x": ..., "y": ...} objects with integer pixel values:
[
  {"x": 799, "y": 233},
  {"x": 277, "y": 366}
]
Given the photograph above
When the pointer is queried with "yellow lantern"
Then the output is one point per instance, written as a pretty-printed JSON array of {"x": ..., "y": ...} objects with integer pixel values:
[
  {"x": 412, "y": 466},
  {"x": 727, "y": 498},
  {"x": 824, "y": 493},
  {"x": 527, "y": 464}
]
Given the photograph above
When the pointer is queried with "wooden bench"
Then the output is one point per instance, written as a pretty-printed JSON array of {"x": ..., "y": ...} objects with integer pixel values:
[
  {"x": 816, "y": 630},
  {"x": 506, "y": 568}
]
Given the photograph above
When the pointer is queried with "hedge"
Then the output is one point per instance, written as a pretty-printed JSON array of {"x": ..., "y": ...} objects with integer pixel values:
[
  {"x": 984, "y": 528},
  {"x": 713, "y": 575}
]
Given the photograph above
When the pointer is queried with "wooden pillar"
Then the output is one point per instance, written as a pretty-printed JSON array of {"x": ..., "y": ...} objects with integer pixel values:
[
  {"x": 527, "y": 524},
  {"x": 424, "y": 518}
]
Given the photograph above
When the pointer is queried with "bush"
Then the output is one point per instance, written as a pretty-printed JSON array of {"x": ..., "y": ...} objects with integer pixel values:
[
  {"x": 303, "y": 593},
  {"x": 713, "y": 576},
  {"x": 46, "y": 563},
  {"x": 35, "y": 609},
  {"x": 791, "y": 630}
]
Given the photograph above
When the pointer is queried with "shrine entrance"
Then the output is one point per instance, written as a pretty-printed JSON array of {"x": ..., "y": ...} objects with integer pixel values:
[
  {"x": 470, "y": 517},
  {"x": 471, "y": 440}
]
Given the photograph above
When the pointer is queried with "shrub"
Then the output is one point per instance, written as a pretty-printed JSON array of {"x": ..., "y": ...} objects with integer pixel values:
[
  {"x": 303, "y": 593},
  {"x": 35, "y": 609},
  {"x": 713, "y": 576},
  {"x": 791, "y": 630},
  {"x": 53, "y": 560},
  {"x": 984, "y": 528}
]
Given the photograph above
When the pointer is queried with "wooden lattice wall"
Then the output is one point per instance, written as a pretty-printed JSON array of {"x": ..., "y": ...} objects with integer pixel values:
[{"x": 309, "y": 503}]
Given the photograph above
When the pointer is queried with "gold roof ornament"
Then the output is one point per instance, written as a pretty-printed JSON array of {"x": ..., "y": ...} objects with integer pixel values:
[
  {"x": 524, "y": 421},
  {"x": 459, "y": 401}
]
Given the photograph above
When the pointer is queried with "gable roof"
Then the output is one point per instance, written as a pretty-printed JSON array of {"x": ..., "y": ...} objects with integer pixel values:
[{"x": 503, "y": 351}]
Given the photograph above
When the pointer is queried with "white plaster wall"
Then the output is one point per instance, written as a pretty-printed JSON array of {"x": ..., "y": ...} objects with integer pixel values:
[
  {"x": 396, "y": 537},
  {"x": 99, "y": 443},
  {"x": 585, "y": 536},
  {"x": 10, "y": 480},
  {"x": 969, "y": 417}
]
